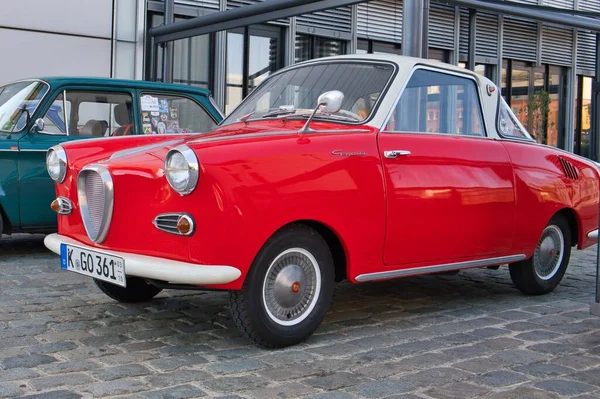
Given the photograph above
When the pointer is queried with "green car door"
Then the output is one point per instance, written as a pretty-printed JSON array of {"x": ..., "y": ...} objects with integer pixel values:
[{"x": 74, "y": 112}]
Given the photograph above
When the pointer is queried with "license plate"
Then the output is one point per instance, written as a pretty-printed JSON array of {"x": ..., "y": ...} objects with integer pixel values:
[{"x": 93, "y": 264}]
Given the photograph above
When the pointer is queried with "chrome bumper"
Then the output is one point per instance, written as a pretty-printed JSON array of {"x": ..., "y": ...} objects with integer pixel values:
[
  {"x": 157, "y": 268},
  {"x": 593, "y": 235}
]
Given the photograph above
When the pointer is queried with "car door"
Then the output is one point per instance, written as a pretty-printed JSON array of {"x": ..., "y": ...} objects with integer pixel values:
[
  {"x": 75, "y": 113},
  {"x": 450, "y": 189}
]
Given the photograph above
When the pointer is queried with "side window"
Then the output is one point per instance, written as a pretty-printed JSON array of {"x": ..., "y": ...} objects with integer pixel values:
[
  {"x": 54, "y": 119},
  {"x": 508, "y": 124},
  {"x": 99, "y": 114},
  {"x": 436, "y": 102},
  {"x": 163, "y": 114}
]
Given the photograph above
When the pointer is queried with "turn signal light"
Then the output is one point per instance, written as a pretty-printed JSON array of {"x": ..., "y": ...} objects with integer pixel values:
[
  {"x": 55, "y": 206},
  {"x": 62, "y": 206},
  {"x": 185, "y": 225}
]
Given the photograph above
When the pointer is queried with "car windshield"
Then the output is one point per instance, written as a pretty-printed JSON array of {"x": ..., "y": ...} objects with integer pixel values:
[
  {"x": 16, "y": 100},
  {"x": 294, "y": 93}
]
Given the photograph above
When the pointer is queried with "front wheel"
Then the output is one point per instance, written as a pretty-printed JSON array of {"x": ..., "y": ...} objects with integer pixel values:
[
  {"x": 137, "y": 290},
  {"x": 542, "y": 272},
  {"x": 288, "y": 289}
]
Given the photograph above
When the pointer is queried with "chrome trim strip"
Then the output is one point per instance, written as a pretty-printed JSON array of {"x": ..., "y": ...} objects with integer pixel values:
[
  {"x": 413, "y": 271},
  {"x": 281, "y": 133},
  {"x": 65, "y": 206},
  {"x": 65, "y": 111},
  {"x": 162, "y": 221},
  {"x": 108, "y": 204},
  {"x": 30, "y": 150},
  {"x": 593, "y": 235},
  {"x": 131, "y": 151}
]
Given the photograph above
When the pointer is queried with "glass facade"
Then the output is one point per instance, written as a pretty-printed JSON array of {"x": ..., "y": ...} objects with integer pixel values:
[
  {"x": 191, "y": 58},
  {"x": 537, "y": 96},
  {"x": 536, "y": 93}
]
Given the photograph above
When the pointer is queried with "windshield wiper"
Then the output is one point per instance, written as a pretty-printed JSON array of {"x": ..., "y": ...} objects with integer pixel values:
[
  {"x": 279, "y": 111},
  {"x": 320, "y": 114}
]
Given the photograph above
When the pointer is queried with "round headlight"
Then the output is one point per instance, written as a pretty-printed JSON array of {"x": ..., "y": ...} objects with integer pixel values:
[
  {"x": 181, "y": 169},
  {"x": 56, "y": 163}
]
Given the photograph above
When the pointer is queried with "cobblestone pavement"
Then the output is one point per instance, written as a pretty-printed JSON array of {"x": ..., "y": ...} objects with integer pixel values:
[{"x": 464, "y": 336}]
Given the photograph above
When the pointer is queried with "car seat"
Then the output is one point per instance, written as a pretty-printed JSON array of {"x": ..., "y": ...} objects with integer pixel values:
[
  {"x": 123, "y": 118},
  {"x": 94, "y": 127}
]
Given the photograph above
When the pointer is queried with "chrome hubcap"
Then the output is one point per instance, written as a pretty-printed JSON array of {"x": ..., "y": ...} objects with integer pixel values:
[
  {"x": 291, "y": 286},
  {"x": 549, "y": 253}
]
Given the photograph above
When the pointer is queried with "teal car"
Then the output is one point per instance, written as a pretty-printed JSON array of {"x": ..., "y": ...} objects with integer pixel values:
[{"x": 36, "y": 114}]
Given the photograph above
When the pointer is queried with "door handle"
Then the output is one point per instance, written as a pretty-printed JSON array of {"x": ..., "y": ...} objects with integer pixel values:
[{"x": 395, "y": 153}]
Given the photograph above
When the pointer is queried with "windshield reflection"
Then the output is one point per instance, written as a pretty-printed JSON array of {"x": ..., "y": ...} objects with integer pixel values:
[{"x": 15, "y": 100}]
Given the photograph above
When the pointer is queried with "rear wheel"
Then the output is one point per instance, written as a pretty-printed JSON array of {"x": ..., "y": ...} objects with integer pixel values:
[
  {"x": 542, "y": 272},
  {"x": 288, "y": 289},
  {"x": 137, "y": 290}
]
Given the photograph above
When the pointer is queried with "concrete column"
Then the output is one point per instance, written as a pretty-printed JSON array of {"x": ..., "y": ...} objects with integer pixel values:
[{"x": 412, "y": 24}]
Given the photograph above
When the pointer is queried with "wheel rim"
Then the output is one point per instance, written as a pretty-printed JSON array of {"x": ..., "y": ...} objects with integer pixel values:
[
  {"x": 549, "y": 253},
  {"x": 291, "y": 287}
]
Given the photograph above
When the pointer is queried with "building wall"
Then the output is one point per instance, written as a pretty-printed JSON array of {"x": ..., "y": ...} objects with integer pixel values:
[{"x": 71, "y": 37}]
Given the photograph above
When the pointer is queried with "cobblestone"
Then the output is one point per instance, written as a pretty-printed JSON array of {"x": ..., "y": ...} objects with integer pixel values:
[{"x": 430, "y": 337}]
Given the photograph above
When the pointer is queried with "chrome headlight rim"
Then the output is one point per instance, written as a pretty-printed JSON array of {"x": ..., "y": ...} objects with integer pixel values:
[
  {"x": 193, "y": 169},
  {"x": 62, "y": 163}
]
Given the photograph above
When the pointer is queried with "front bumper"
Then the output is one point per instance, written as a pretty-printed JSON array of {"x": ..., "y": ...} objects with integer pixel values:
[{"x": 157, "y": 268}]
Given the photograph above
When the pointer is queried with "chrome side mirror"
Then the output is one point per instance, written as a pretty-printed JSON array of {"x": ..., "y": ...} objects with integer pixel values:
[
  {"x": 329, "y": 102},
  {"x": 38, "y": 126}
]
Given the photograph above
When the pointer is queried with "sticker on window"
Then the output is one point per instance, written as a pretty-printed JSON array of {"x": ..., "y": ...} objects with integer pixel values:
[{"x": 150, "y": 103}]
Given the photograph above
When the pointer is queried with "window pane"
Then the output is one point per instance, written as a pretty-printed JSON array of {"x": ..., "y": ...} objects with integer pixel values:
[
  {"x": 100, "y": 114},
  {"x": 191, "y": 61},
  {"x": 326, "y": 47},
  {"x": 304, "y": 48},
  {"x": 586, "y": 116},
  {"x": 235, "y": 61},
  {"x": 520, "y": 94},
  {"x": 171, "y": 114},
  {"x": 435, "y": 102},
  {"x": 263, "y": 59},
  {"x": 54, "y": 120},
  {"x": 508, "y": 124}
]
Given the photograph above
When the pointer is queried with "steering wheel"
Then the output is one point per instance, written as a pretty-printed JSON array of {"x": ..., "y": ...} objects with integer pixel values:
[{"x": 349, "y": 114}]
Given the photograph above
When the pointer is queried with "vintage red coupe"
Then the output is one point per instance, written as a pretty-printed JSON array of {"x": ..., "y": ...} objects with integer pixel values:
[{"x": 355, "y": 167}]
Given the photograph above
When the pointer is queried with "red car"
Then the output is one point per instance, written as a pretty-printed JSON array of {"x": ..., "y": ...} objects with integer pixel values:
[{"x": 362, "y": 168}]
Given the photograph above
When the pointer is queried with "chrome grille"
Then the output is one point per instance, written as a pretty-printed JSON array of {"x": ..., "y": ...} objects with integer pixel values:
[
  {"x": 167, "y": 222},
  {"x": 95, "y": 194}
]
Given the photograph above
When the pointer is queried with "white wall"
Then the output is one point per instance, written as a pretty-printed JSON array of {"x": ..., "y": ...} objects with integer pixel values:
[{"x": 70, "y": 38}]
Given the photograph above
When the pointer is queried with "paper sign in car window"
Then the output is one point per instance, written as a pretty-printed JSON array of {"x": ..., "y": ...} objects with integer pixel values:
[{"x": 149, "y": 103}]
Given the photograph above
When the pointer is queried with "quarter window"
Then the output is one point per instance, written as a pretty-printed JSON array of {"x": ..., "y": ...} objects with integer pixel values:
[
  {"x": 435, "y": 102},
  {"x": 508, "y": 124},
  {"x": 162, "y": 114}
]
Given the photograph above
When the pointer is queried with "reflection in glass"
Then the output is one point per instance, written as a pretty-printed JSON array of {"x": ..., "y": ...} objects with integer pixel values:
[
  {"x": 235, "y": 65},
  {"x": 553, "y": 107},
  {"x": 519, "y": 96},
  {"x": 310, "y": 47},
  {"x": 585, "y": 117},
  {"x": 191, "y": 61},
  {"x": 263, "y": 59}
]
